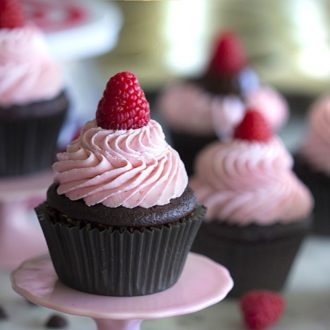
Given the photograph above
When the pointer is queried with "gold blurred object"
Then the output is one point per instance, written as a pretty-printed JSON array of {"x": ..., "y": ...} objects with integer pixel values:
[{"x": 286, "y": 40}]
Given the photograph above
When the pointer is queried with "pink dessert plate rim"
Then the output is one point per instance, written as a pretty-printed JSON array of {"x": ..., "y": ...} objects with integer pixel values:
[{"x": 201, "y": 284}]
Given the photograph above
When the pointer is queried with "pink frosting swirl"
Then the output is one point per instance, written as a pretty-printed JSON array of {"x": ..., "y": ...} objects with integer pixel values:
[
  {"x": 316, "y": 146},
  {"x": 27, "y": 72},
  {"x": 186, "y": 107},
  {"x": 242, "y": 183},
  {"x": 121, "y": 167}
]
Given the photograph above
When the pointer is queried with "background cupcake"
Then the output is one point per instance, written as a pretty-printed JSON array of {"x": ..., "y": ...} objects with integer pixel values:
[
  {"x": 198, "y": 109},
  {"x": 256, "y": 207},
  {"x": 119, "y": 219},
  {"x": 313, "y": 163},
  {"x": 33, "y": 103}
]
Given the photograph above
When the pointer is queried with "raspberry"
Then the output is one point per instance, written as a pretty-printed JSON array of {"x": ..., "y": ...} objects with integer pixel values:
[
  {"x": 229, "y": 56},
  {"x": 261, "y": 309},
  {"x": 253, "y": 127},
  {"x": 123, "y": 105},
  {"x": 11, "y": 14}
]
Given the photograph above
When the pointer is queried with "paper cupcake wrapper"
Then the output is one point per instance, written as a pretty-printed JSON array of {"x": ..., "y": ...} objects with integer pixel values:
[
  {"x": 319, "y": 185},
  {"x": 28, "y": 144},
  {"x": 119, "y": 262},
  {"x": 263, "y": 264}
]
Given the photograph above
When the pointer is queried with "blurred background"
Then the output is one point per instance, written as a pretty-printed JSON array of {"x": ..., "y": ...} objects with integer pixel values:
[{"x": 287, "y": 41}]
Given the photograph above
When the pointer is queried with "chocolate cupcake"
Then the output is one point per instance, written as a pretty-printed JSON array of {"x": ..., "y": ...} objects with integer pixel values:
[
  {"x": 312, "y": 163},
  {"x": 33, "y": 102},
  {"x": 257, "y": 209},
  {"x": 119, "y": 219},
  {"x": 200, "y": 110}
]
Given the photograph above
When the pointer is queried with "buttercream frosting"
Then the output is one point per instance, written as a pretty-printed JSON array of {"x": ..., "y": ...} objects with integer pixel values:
[
  {"x": 316, "y": 146},
  {"x": 243, "y": 182},
  {"x": 188, "y": 108},
  {"x": 127, "y": 168},
  {"x": 27, "y": 73}
]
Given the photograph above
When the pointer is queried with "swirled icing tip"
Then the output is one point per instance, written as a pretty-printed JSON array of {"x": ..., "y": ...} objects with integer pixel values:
[
  {"x": 253, "y": 127},
  {"x": 229, "y": 56},
  {"x": 11, "y": 14},
  {"x": 123, "y": 104}
]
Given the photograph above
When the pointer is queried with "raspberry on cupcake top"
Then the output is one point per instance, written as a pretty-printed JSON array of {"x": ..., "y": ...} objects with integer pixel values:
[
  {"x": 227, "y": 87},
  {"x": 249, "y": 178},
  {"x": 27, "y": 73},
  {"x": 121, "y": 158}
]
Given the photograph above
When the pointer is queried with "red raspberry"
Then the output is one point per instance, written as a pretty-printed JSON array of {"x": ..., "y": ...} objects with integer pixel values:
[
  {"x": 11, "y": 14},
  {"x": 261, "y": 309},
  {"x": 229, "y": 56},
  {"x": 253, "y": 127},
  {"x": 123, "y": 105}
]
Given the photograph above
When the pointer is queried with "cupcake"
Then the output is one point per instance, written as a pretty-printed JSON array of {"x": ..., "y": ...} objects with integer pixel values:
[
  {"x": 257, "y": 209},
  {"x": 119, "y": 220},
  {"x": 200, "y": 109},
  {"x": 312, "y": 163},
  {"x": 33, "y": 102}
]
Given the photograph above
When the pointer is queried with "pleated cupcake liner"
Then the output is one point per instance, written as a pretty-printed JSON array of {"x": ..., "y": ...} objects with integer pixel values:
[
  {"x": 188, "y": 146},
  {"x": 28, "y": 144},
  {"x": 319, "y": 185},
  {"x": 118, "y": 262},
  {"x": 253, "y": 264}
]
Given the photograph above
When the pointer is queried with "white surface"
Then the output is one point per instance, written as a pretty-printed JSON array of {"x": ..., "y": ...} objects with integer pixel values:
[{"x": 307, "y": 295}]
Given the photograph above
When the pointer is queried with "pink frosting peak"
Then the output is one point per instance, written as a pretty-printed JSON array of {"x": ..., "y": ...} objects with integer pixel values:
[
  {"x": 316, "y": 146},
  {"x": 27, "y": 73},
  {"x": 187, "y": 108},
  {"x": 127, "y": 168},
  {"x": 244, "y": 182}
]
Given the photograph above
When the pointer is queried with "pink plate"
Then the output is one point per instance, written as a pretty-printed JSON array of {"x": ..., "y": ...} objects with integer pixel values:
[
  {"x": 20, "y": 237},
  {"x": 24, "y": 187},
  {"x": 202, "y": 284}
]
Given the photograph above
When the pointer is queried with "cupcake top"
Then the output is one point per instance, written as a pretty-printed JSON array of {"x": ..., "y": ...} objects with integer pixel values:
[
  {"x": 223, "y": 91},
  {"x": 316, "y": 145},
  {"x": 248, "y": 179},
  {"x": 121, "y": 158},
  {"x": 27, "y": 73}
]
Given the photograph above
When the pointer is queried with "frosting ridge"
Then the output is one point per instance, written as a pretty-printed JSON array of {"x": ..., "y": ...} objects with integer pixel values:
[
  {"x": 316, "y": 144},
  {"x": 27, "y": 73},
  {"x": 187, "y": 107},
  {"x": 242, "y": 183},
  {"x": 127, "y": 168}
]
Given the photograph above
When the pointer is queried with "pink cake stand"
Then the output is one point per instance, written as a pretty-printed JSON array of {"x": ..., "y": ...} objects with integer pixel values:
[
  {"x": 20, "y": 238},
  {"x": 202, "y": 284}
]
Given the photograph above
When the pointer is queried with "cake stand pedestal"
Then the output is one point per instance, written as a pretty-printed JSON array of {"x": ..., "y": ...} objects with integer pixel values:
[
  {"x": 20, "y": 238},
  {"x": 202, "y": 284}
]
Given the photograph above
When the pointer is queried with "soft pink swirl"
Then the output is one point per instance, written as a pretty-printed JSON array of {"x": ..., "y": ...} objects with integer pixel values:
[
  {"x": 316, "y": 147},
  {"x": 242, "y": 183},
  {"x": 121, "y": 167},
  {"x": 27, "y": 73},
  {"x": 186, "y": 107}
]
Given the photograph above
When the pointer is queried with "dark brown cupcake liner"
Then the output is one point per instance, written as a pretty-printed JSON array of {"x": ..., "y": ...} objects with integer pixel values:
[
  {"x": 260, "y": 262},
  {"x": 319, "y": 185},
  {"x": 188, "y": 146},
  {"x": 117, "y": 261},
  {"x": 28, "y": 144}
]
